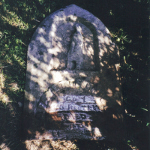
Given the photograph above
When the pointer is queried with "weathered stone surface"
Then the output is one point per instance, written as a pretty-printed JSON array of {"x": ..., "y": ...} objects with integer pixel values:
[{"x": 72, "y": 81}]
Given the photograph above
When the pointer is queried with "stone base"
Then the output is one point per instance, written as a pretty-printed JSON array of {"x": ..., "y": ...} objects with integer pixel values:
[{"x": 88, "y": 126}]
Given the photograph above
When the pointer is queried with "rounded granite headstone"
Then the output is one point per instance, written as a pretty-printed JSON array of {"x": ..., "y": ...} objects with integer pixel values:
[{"x": 72, "y": 80}]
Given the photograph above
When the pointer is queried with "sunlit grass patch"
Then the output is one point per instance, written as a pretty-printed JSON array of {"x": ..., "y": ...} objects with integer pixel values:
[
  {"x": 3, "y": 96},
  {"x": 50, "y": 144},
  {"x": 120, "y": 36},
  {"x": 13, "y": 49},
  {"x": 5, "y": 99},
  {"x": 12, "y": 19},
  {"x": 19, "y": 60},
  {"x": 9, "y": 87},
  {"x": 1, "y": 79},
  {"x": 13, "y": 86}
]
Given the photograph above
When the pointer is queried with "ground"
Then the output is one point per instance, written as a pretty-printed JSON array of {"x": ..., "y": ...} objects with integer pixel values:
[{"x": 128, "y": 21}]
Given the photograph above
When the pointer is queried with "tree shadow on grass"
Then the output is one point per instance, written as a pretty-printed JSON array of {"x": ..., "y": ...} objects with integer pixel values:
[{"x": 130, "y": 20}]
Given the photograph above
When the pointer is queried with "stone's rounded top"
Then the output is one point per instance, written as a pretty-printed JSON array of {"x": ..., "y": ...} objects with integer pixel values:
[
  {"x": 71, "y": 39},
  {"x": 53, "y": 39},
  {"x": 71, "y": 13}
]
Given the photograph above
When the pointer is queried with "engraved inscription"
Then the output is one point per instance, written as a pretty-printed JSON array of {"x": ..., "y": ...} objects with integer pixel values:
[
  {"x": 72, "y": 106},
  {"x": 72, "y": 103},
  {"x": 68, "y": 116},
  {"x": 75, "y": 130}
]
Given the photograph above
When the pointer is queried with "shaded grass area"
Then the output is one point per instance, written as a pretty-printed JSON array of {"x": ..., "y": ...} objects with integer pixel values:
[{"x": 128, "y": 21}]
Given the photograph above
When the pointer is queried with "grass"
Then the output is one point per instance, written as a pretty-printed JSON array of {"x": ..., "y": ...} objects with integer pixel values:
[{"x": 128, "y": 23}]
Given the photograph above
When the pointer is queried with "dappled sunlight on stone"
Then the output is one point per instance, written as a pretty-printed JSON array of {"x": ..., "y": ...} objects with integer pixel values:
[
  {"x": 88, "y": 127},
  {"x": 73, "y": 75},
  {"x": 72, "y": 117},
  {"x": 29, "y": 96},
  {"x": 54, "y": 51},
  {"x": 53, "y": 106},
  {"x": 54, "y": 63},
  {"x": 43, "y": 41},
  {"x": 61, "y": 76},
  {"x": 72, "y": 103},
  {"x": 72, "y": 17},
  {"x": 41, "y": 31},
  {"x": 52, "y": 34},
  {"x": 101, "y": 103},
  {"x": 97, "y": 132},
  {"x": 107, "y": 42},
  {"x": 84, "y": 84},
  {"x": 32, "y": 58},
  {"x": 53, "y": 29}
]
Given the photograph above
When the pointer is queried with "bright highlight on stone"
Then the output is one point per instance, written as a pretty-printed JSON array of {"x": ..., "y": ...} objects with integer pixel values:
[{"x": 72, "y": 81}]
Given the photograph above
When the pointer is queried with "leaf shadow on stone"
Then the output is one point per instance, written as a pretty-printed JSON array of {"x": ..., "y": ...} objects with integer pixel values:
[
  {"x": 103, "y": 13},
  {"x": 107, "y": 85}
]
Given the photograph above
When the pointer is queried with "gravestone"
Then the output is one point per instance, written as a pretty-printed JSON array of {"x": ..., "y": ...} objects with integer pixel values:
[{"x": 72, "y": 79}]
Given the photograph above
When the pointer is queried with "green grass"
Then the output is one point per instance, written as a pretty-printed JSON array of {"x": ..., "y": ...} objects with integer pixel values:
[{"x": 128, "y": 23}]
